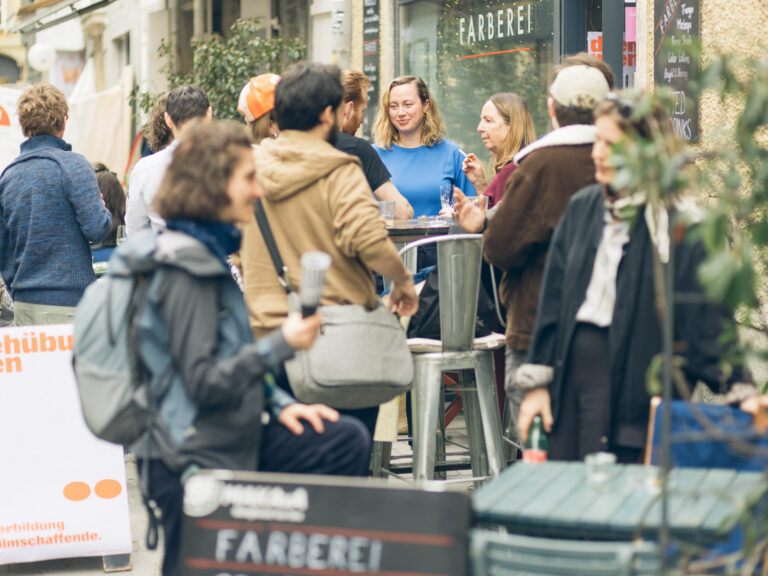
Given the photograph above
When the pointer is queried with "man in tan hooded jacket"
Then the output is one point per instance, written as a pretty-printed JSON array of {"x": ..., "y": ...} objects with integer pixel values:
[{"x": 317, "y": 198}]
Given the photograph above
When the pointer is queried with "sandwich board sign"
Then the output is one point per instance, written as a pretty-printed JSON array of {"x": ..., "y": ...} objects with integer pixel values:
[{"x": 252, "y": 523}]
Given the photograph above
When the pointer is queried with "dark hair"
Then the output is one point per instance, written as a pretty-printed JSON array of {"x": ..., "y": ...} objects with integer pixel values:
[
  {"x": 185, "y": 103},
  {"x": 584, "y": 59},
  {"x": 305, "y": 90},
  {"x": 567, "y": 116},
  {"x": 195, "y": 183},
  {"x": 156, "y": 131},
  {"x": 114, "y": 199}
]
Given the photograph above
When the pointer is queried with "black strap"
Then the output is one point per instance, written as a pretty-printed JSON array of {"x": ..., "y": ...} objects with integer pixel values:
[{"x": 269, "y": 240}]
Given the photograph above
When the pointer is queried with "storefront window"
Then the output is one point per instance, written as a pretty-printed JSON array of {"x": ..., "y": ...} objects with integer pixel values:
[{"x": 467, "y": 50}]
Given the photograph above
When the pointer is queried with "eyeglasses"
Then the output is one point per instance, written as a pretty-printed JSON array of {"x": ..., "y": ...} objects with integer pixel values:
[
  {"x": 626, "y": 109},
  {"x": 623, "y": 105}
]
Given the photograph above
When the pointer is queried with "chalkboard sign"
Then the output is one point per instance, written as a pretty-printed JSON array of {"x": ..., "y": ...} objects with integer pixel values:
[
  {"x": 371, "y": 51},
  {"x": 251, "y": 523},
  {"x": 676, "y": 30}
]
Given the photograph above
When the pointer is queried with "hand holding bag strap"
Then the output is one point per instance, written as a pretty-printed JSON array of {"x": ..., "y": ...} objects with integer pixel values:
[{"x": 269, "y": 240}]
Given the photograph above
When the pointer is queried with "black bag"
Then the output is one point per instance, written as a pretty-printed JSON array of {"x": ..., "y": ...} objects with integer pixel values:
[{"x": 426, "y": 322}]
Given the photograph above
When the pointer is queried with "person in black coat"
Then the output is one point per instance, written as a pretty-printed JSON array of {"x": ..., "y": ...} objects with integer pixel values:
[{"x": 597, "y": 328}]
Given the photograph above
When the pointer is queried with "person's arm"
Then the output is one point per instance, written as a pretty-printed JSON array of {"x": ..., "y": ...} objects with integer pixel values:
[
  {"x": 519, "y": 226},
  {"x": 471, "y": 218},
  {"x": 537, "y": 373},
  {"x": 475, "y": 172},
  {"x": 388, "y": 191},
  {"x": 209, "y": 379},
  {"x": 136, "y": 215},
  {"x": 402, "y": 295},
  {"x": 360, "y": 232},
  {"x": 460, "y": 179},
  {"x": 707, "y": 329},
  {"x": 83, "y": 193}
]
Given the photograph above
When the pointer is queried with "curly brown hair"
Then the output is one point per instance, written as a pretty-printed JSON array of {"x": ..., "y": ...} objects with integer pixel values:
[
  {"x": 195, "y": 184},
  {"x": 42, "y": 109},
  {"x": 156, "y": 131}
]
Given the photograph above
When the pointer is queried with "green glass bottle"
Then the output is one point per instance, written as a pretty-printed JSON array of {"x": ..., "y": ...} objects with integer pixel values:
[{"x": 536, "y": 446}]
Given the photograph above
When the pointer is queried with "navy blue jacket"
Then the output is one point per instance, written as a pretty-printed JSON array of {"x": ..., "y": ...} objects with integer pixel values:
[{"x": 50, "y": 208}]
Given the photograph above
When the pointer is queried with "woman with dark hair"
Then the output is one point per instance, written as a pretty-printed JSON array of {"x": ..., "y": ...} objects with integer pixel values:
[
  {"x": 114, "y": 199},
  {"x": 221, "y": 409},
  {"x": 410, "y": 139},
  {"x": 156, "y": 131},
  {"x": 597, "y": 329}
]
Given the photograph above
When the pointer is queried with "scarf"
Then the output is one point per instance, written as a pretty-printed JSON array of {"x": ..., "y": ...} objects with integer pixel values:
[
  {"x": 221, "y": 238},
  {"x": 628, "y": 208}
]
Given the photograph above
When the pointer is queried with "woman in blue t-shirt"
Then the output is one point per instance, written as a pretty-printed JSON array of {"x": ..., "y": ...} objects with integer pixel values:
[{"x": 409, "y": 135}]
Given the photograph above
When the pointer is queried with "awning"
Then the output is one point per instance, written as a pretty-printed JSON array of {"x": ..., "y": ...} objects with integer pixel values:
[{"x": 43, "y": 14}]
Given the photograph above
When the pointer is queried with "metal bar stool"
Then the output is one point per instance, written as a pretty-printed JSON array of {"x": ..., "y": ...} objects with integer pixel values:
[{"x": 459, "y": 258}]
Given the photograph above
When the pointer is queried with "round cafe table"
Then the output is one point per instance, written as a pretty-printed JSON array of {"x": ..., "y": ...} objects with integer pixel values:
[{"x": 404, "y": 231}]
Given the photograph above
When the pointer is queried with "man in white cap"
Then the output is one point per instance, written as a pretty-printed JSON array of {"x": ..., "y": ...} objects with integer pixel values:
[{"x": 549, "y": 172}]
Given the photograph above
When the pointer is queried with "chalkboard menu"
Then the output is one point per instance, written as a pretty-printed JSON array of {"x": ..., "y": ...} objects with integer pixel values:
[
  {"x": 253, "y": 523},
  {"x": 371, "y": 49},
  {"x": 676, "y": 31}
]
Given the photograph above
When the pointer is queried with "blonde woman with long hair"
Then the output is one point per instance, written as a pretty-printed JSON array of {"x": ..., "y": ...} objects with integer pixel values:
[
  {"x": 410, "y": 139},
  {"x": 505, "y": 127}
]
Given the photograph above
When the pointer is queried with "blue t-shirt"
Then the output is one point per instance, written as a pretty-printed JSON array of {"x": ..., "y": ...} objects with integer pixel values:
[{"x": 418, "y": 173}]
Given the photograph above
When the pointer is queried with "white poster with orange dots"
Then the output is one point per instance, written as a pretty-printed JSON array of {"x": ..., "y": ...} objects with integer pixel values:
[{"x": 62, "y": 490}]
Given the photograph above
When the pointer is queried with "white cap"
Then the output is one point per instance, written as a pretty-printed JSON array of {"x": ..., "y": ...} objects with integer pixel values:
[{"x": 579, "y": 87}]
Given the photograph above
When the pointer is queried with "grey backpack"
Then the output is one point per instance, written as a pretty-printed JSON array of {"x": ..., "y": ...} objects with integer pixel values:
[{"x": 111, "y": 381}]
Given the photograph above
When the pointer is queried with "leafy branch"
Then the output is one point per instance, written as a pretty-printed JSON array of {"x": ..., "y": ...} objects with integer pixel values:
[{"x": 222, "y": 66}]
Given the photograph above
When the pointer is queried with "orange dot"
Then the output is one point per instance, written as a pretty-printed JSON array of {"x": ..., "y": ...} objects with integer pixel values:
[
  {"x": 77, "y": 491},
  {"x": 107, "y": 488}
]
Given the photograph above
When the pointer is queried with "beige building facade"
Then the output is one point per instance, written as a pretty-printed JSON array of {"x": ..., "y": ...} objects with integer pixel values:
[{"x": 467, "y": 50}]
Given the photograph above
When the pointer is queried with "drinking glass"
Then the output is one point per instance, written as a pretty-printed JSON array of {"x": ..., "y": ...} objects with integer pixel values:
[
  {"x": 446, "y": 196},
  {"x": 387, "y": 211},
  {"x": 600, "y": 467},
  {"x": 120, "y": 236},
  {"x": 481, "y": 202}
]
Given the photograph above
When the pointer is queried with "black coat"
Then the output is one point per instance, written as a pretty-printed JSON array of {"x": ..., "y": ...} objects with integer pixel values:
[{"x": 634, "y": 335}]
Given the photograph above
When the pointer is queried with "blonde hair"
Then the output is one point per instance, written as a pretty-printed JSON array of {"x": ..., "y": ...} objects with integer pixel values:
[
  {"x": 433, "y": 130},
  {"x": 42, "y": 109},
  {"x": 514, "y": 111}
]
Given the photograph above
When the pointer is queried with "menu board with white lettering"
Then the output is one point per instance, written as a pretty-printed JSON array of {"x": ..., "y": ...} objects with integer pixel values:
[
  {"x": 371, "y": 51},
  {"x": 676, "y": 32},
  {"x": 253, "y": 523}
]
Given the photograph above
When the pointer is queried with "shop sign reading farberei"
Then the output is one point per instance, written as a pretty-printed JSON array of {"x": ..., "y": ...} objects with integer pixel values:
[{"x": 510, "y": 22}]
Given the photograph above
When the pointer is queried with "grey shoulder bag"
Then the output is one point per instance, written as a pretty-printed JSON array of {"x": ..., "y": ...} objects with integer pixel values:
[{"x": 360, "y": 358}]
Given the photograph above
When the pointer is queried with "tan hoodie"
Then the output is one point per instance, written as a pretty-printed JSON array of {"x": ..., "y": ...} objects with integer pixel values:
[{"x": 317, "y": 198}]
